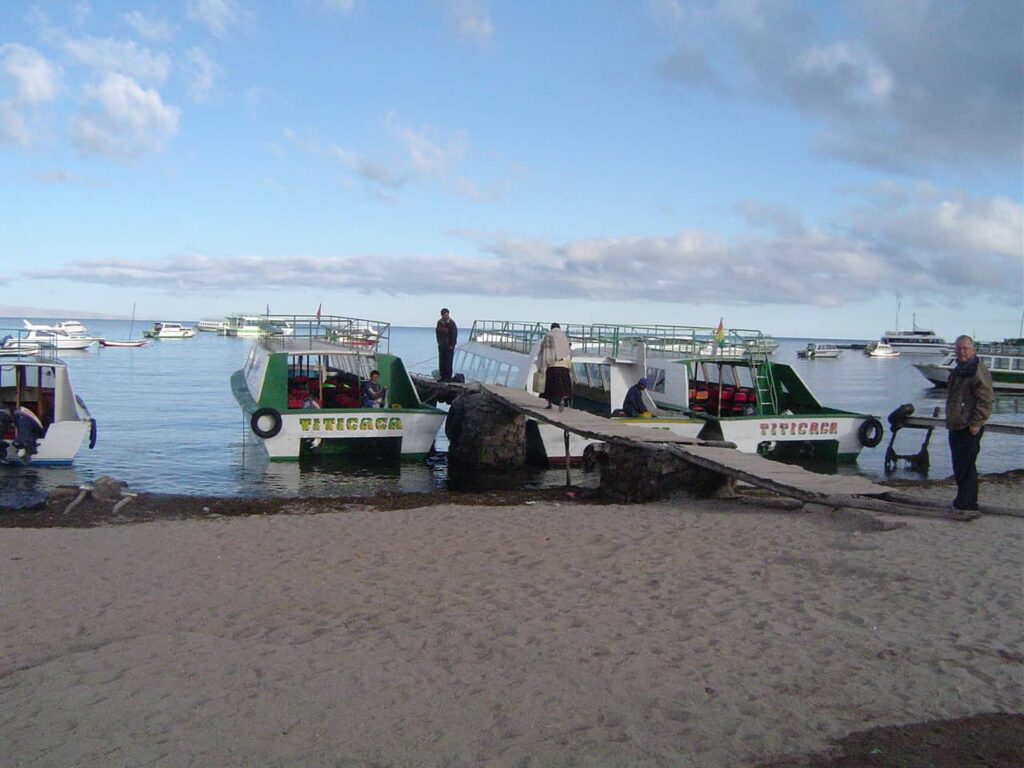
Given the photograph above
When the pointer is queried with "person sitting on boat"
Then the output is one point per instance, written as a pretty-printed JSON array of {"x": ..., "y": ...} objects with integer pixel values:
[
  {"x": 373, "y": 392},
  {"x": 554, "y": 361},
  {"x": 634, "y": 404}
]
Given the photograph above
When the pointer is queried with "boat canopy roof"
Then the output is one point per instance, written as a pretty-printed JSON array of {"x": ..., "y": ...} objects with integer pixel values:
[
  {"x": 329, "y": 334},
  {"x": 611, "y": 339}
]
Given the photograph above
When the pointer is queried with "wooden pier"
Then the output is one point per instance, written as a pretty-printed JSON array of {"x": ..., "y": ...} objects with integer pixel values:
[{"x": 785, "y": 479}]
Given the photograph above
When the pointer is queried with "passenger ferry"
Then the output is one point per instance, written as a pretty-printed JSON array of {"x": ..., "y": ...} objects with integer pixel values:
[
  {"x": 42, "y": 420},
  {"x": 301, "y": 393},
  {"x": 696, "y": 390},
  {"x": 211, "y": 326},
  {"x": 918, "y": 341},
  {"x": 1004, "y": 360}
]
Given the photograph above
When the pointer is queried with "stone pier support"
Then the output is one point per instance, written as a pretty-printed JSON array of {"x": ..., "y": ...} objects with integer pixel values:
[
  {"x": 633, "y": 474},
  {"x": 484, "y": 434}
]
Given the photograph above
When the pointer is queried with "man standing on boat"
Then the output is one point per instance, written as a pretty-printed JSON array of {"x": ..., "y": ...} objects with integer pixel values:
[
  {"x": 447, "y": 337},
  {"x": 554, "y": 360},
  {"x": 969, "y": 398}
]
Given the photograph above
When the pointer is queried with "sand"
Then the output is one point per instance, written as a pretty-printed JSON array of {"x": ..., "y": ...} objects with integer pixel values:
[{"x": 684, "y": 633}]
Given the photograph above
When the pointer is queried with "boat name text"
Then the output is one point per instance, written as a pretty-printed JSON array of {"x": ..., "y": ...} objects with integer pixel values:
[
  {"x": 788, "y": 429},
  {"x": 351, "y": 424}
]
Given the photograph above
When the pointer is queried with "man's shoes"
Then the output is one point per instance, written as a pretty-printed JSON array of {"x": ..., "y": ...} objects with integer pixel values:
[
  {"x": 549, "y": 407},
  {"x": 967, "y": 514},
  {"x": 561, "y": 406}
]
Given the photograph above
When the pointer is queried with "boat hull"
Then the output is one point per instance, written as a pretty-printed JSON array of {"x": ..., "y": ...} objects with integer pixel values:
[
  {"x": 1002, "y": 381},
  {"x": 347, "y": 431}
]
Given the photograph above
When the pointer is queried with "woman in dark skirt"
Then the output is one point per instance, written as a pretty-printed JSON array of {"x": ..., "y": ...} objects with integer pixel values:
[{"x": 554, "y": 361}]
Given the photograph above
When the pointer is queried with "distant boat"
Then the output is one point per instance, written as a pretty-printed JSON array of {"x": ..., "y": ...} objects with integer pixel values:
[
  {"x": 211, "y": 326},
  {"x": 918, "y": 340},
  {"x": 880, "y": 349},
  {"x": 817, "y": 350},
  {"x": 164, "y": 330},
  {"x": 128, "y": 342},
  {"x": 67, "y": 335}
]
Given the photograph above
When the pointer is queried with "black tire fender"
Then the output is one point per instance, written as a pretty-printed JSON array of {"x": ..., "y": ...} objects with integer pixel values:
[
  {"x": 259, "y": 416},
  {"x": 870, "y": 432}
]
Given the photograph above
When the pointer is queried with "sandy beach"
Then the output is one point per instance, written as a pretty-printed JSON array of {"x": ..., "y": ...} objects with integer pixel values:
[{"x": 681, "y": 633}]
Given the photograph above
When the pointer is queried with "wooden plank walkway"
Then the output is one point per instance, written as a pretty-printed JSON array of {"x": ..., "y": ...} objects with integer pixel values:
[
  {"x": 723, "y": 458},
  {"x": 930, "y": 422}
]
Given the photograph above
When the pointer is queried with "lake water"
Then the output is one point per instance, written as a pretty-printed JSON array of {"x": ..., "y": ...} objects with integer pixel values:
[{"x": 169, "y": 424}]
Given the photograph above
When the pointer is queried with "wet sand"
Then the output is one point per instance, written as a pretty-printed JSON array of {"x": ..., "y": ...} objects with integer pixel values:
[{"x": 682, "y": 633}]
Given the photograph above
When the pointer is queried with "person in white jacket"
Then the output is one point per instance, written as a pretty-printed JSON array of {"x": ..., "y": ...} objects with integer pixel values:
[{"x": 554, "y": 361}]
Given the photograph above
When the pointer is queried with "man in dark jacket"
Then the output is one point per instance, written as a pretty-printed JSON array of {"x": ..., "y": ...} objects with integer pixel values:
[
  {"x": 969, "y": 398},
  {"x": 634, "y": 404},
  {"x": 447, "y": 337}
]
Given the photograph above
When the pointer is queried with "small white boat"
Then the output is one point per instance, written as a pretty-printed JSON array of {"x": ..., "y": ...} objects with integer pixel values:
[
  {"x": 123, "y": 344},
  {"x": 165, "y": 330},
  {"x": 42, "y": 420},
  {"x": 880, "y": 349},
  {"x": 819, "y": 351},
  {"x": 301, "y": 393},
  {"x": 59, "y": 339},
  {"x": 11, "y": 346}
]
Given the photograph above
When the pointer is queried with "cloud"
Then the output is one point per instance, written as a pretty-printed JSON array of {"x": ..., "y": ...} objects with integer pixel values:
[
  {"x": 201, "y": 73},
  {"x": 157, "y": 29},
  {"x": 933, "y": 82},
  {"x": 218, "y": 16},
  {"x": 125, "y": 57},
  {"x": 126, "y": 119},
  {"x": 31, "y": 81},
  {"x": 430, "y": 155},
  {"x": 904, "y": 252},
  {"x": 470, "y": 19}
]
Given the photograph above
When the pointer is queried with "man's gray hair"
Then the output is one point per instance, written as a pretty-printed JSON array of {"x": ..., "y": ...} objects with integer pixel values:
[{"x": 964, "y": 337}]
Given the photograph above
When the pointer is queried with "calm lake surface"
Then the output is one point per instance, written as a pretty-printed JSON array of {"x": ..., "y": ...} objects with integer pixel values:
[{"x": 169, "y": 424}]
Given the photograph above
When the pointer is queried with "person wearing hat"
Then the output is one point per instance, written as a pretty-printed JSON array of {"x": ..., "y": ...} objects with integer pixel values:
[{"x": 634, "y": 404}]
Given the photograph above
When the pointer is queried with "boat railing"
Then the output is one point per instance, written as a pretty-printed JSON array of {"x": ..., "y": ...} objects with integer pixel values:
[
  {"x": 1013, "y": 347},
  {"x": 368, "y": 336},
  {"x": 19, "y": 343},
  {"x": 613, "y": 340}
]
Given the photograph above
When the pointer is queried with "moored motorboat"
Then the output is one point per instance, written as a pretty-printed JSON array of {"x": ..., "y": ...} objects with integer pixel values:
[
  {"x": 59, "y": 339},
  {"x": 1004, "y": 360},
  {"x": 211, "y": 326},
  {"x": 168, "y": 330},
  {"x": 819, "y": 351},
  {"x": 880, "y": 349},
  {"x": 301, "y": 394},
  {"x": 42, "y": 420},
  {"x": 747, "y": 399}
]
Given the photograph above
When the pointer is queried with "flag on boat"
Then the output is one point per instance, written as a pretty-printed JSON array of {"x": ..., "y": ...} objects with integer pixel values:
[
  {"x": 318, "y": 308},
  {"x": 720, "y": 333}
]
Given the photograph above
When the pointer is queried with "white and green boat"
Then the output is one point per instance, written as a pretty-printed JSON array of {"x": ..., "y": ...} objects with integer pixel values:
[
  {"x": 301, "y": 394},
  {"x": 704, "y": 382}
]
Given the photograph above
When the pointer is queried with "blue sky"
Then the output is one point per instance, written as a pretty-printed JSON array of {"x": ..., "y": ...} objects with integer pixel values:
[{"x": 803, "y": 168}]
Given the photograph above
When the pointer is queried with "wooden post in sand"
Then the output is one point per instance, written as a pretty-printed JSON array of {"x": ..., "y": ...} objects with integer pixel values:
[{"x": 568, "y": 461}]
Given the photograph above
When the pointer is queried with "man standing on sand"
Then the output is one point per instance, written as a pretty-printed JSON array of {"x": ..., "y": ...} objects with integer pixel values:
[
  {"x": 969, "y": 398},
  {"x": 447, "y": 337}
]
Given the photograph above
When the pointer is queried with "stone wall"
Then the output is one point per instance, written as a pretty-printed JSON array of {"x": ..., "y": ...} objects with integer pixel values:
[
  {"x": 484, "y": 434},
  {"x": 632, "y": 474}
]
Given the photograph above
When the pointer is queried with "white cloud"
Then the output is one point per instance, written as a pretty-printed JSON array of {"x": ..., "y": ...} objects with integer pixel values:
[
  {"x": 431, "y": 156},
  {"x": 151, "y": 27},
  {"x": 202, "y": 73},
  {"x": 219, "y": 16},
  {"x": 471, "y": 20},
  {"x": 35, "y": 80},
  {"x": 13, "y": 127},
  {"x": 801, "y": 266},
  {"x": 127, "y": 119},
  {"x": 125, "y": 57}
]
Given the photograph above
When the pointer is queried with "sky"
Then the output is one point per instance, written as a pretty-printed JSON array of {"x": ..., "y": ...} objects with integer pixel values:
[{"x": 812, "y": 169}]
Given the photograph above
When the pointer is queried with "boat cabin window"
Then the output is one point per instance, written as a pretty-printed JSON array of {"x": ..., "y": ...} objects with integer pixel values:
[
  {"x": 1018, "y": 363},
  {"x": 1001, "y": 364},
  {"x": 656, "y": 379}
]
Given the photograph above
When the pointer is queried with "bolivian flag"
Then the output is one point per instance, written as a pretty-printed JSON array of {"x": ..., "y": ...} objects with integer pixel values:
[{"x": 720, "y": 333}]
